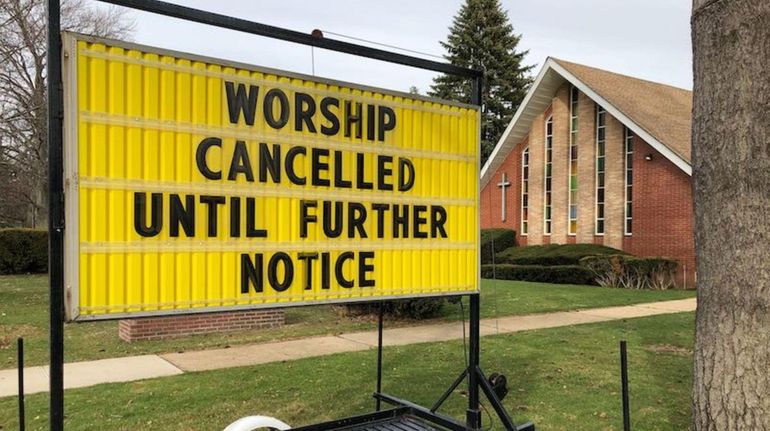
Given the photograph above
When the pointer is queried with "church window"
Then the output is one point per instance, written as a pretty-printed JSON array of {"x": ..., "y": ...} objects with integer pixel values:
[
  {"x": 629, "y": 180},
  {"x": 525, "y": 191},
  {"x": 573, "y": 161},
  {"x": 547, "y": 187},
  {"x": 601, "y": 115}
]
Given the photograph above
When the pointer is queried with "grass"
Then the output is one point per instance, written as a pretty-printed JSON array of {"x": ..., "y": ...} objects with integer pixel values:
[
  {"x": 24, "y": 313},
  {"x": 561, "y": 379}
]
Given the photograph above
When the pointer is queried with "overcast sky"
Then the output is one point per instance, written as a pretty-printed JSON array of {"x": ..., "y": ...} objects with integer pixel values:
[{"x": 644, "y": 38}]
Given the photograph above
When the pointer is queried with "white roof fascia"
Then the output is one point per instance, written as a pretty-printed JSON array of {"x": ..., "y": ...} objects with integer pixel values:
[{"x": 493, "y": 163}]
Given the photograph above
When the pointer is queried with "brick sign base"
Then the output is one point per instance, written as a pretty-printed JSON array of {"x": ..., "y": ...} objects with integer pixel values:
[{"x": 153, "y": 328}]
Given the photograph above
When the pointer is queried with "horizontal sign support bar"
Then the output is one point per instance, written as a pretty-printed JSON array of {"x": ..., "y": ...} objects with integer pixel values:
[{"x": 238, "y": 24}]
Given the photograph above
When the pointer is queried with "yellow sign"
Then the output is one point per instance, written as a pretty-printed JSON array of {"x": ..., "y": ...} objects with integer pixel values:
[{"x": 195, "y": 184}]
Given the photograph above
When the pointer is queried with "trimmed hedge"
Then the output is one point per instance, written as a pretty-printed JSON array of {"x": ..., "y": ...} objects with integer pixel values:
[
  {"x": 632, "y": 272},
  {"x": 417, "y": 308},
  {"x": 23, "y": 251},
  {"x": 560, "y": 274},
  {"x": 502, "y": 239},
  {"x": 554, "y": 254}
]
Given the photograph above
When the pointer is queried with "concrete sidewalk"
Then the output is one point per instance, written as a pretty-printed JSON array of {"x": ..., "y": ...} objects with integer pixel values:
[{"x": 82, "y": 374}]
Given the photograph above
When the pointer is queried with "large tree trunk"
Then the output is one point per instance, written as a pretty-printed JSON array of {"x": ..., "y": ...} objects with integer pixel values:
[{"x": 731, "y": 158}]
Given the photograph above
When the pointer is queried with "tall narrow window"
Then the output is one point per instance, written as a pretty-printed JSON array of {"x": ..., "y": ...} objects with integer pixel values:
[
  {"x": 573, "y": 161},
  {"x": 600, "y": 152},
  {"x": 547, "y": 176},
  {"x": 525, "y": 191},
  {"x": 629, "y": 150}
]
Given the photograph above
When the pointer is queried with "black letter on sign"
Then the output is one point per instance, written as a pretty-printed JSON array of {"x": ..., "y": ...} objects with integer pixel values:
[
  {"x": 330, "y": 116},
  {"x": 365, "y": 268},
  {"x": 418, "y": 220},
  {"x": 384, "y": 172},
  {"x": 325, "y": 263},
  {"x": 308, "y": 258},
  {"x": 332, "y": 231},
  {"x": 251, "y": 221},
  {"x": 304, "y": 109},
  {"x": 236, "y": 102},
  {"x": 356, "y": 219},
  {"x": 380, "y": 208},
  {"x": 370, "y": 122},
  {"x": 361, "y": 182},
  {"x": 240, "y": 163},
  {"x": 269, "y": 162},
  {"x": 235, "y": 217},
  {"x": 340, "y": 182},
  {"x": 213, "y": 202},
  {"x": 351, "y": 119},
  {"x": 271, "y": 95},
  {"x": 251, "y": 275},
  {"x": 317, "y": 166},
  {"x": 338, "y": 269},
  {"x": 437, "y": 220},
  {"x": 400, "y": 221},
  {"x": 305, "y": 217},
  {"x": 200, "y": 158},
  {"x": 289, "y": 165},
  {"x": 288, "y": 271},
  {"x": 156, "y": 214},
  {"x": 405, "y": 182},
  {"x": 182, "y": 214},
  {"x": 387, "y": 121}
]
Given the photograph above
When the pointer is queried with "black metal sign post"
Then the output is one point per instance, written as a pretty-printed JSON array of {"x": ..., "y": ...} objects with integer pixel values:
[
  {"x": 476, "y": 379},
  {"x": 55, "y": 216}
]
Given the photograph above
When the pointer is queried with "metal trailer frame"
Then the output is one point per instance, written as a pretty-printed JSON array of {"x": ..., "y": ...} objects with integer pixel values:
[{"x": 56, "y": 225}]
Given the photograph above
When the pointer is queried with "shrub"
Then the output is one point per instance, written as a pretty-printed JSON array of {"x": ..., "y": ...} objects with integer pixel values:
[
  {"x": 559, "y": 274},
  {"x": 501, "y": 238},
  {"x": 23, "y": 251},
  {"x": 554, "y": 254},
  {"x": 631, "y": 272},
  {"x": 417, "y": 308}
]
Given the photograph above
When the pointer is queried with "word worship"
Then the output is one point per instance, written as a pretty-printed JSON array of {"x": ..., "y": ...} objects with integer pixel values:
[{"x": 231, "y": 216}]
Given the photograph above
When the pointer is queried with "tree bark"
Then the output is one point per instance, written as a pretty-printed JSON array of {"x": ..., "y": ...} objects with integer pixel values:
[{"x": 731, "y": 173}]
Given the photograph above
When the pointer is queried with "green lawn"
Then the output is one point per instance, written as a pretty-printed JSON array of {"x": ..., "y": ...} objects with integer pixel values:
[
  {"x": 562, "y": 379},
  {"x": 24, "y": 313}
]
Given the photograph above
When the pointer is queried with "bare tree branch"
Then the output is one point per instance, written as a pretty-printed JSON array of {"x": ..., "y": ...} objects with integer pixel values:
[{"x": 23, "y": 116}]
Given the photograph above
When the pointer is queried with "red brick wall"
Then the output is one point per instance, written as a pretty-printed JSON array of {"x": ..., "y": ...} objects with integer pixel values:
[
  {"x": 662, "y": 202},
  {"x": 491, "y": 197},
  {"x": 662, "y": 212},
  {"x": 151, "y": 328}
]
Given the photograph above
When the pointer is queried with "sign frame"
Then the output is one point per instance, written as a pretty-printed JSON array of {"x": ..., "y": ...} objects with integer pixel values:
[
  {"x": 56, "y": 228},
  {"x": 71, "y": 185}
]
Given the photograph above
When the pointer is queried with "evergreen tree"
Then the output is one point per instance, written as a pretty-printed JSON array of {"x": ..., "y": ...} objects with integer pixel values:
[{"x": 481, "y": 37}]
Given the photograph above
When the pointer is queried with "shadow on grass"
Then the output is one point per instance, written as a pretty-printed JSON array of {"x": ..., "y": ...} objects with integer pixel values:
[{"x": 671, "y": 376}]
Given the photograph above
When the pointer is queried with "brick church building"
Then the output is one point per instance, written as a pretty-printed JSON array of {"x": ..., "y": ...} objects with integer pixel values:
[{"x": 597, "y": 157}]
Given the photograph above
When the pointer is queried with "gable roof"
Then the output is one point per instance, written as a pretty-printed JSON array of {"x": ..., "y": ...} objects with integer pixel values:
[{"x": 658, "y": 113}]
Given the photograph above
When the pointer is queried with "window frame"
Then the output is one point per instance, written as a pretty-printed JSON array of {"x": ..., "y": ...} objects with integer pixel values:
[
  {"x": 628, "y": 138},
  {"x": 600, "y": 159},
  {"x": 548, "y": 191},
  {"x": 573, "y": 131},
  {"x": 524, "y": 222}
]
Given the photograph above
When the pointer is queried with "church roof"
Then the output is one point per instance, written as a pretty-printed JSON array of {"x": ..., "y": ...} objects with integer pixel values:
[{"x": 658, "y": 113}]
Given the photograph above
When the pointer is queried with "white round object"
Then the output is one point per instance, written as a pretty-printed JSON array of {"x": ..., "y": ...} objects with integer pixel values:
[{"x": 251, "y": 423}]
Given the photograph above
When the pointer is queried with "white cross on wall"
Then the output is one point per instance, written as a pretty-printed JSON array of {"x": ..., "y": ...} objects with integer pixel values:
[{"x": 503, "y": 184}]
